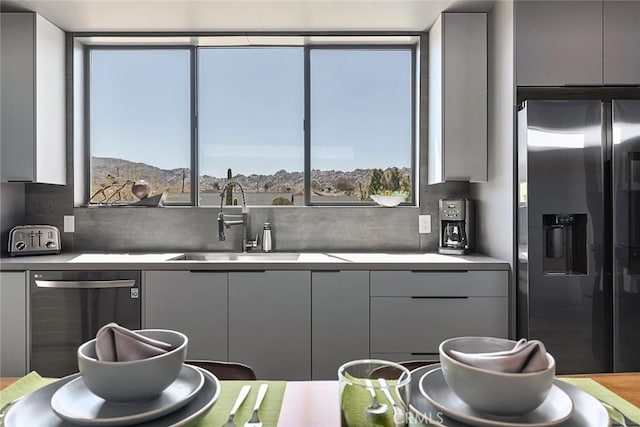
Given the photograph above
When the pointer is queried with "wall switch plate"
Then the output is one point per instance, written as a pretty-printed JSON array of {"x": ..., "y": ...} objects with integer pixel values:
[
  {"x": 424, "y": 224},
  {"x": 69, "y": 224}
]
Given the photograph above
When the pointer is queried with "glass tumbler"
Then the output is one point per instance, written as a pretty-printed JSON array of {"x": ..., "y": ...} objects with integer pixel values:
[{"x": 374, "y": 393}]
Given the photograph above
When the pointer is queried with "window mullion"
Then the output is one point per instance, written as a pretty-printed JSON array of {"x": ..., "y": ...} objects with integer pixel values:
[
  {"x": 195, "y": 182},
  {"x": 307, "y": 125}
]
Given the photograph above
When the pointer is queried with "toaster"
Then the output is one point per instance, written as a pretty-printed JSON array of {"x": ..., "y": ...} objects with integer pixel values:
[{"x": 34, "y": 239}]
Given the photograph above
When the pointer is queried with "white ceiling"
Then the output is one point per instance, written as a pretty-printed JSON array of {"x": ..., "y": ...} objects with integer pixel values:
[{"x": 244, "y": 15}]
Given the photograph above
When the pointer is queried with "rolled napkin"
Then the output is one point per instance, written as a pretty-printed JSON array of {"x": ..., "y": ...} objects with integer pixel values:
[
  {"x": 525, "y": 356},
  {"x": 115, "y": 343}
]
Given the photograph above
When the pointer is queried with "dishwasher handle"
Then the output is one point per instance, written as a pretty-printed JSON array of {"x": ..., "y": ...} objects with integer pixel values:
[{"x": 85, "y": 284}]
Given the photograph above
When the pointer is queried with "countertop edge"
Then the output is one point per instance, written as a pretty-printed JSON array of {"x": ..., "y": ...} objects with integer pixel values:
[{"x": 62, "y": 262}]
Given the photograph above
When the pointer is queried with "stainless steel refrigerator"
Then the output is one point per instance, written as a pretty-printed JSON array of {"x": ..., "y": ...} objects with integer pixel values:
[{"x": 578, "y": 230}]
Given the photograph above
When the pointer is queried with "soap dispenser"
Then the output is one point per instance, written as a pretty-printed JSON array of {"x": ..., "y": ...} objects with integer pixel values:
[{"x": 267, "y": 245}]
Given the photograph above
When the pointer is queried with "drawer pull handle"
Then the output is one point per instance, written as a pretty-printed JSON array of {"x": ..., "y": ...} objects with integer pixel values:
[
  {"x": 439, "y": 271},
  {"x": 442, "y": 297},
  {"x": 227, "y": 271}
]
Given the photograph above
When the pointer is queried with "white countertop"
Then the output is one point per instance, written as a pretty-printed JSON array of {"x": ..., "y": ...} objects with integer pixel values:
[{"x": 252, "y": 261}]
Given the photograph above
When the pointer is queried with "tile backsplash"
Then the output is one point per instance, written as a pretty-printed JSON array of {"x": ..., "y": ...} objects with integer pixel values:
[{"x": 195, "y": 228}]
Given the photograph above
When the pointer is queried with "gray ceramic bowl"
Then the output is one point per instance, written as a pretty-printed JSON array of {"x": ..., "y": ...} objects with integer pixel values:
[
  {"x": 490, "y": 391},
  {"x": 136, "y": 380}
]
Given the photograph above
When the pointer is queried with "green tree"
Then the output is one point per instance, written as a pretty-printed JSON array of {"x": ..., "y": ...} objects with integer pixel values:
[
  {"x": 405, "y": 184},
  {"x": 393, "y": 179},
  {"x": 343, "y": 184},
  {"x": 281, "y": 201},
  {"x": 377, "y": 182}
]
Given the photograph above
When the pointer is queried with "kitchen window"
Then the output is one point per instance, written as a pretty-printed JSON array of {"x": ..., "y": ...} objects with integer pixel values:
[
  {"x": 360, "y": 120},
  {"x": 139, "y": 123},
  {"x": 251, "y": 115},
  {"x": 320, "y": 124}
]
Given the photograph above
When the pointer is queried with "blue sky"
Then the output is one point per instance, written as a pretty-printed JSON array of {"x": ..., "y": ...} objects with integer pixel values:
[{"x": 251, "y": 108}]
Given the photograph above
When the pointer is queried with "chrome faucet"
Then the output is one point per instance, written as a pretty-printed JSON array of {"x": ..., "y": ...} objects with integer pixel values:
[{"x": 234, "y": 219}]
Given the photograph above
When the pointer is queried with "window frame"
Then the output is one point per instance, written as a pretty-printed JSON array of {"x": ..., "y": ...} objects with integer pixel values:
[
  {"x": 197, "y": 147},
  {"x": 192, "y": 114},
  {"x": 307, "y": 119},
  {"x": 308, "y": 122}
]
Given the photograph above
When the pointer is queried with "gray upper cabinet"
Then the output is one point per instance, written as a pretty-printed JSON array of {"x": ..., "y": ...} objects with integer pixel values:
[
  {"x": 33, "y": 99},
  {"x": 621, "y": 42},
  {"x": 270, "y": 322},
  {"x": 574, "y": 43},
  {"x": 558, "y": 43},
  {"x": 339, "y": 320},
  {"x": 13, "y": 324},
  {"x": 458, "y": 98},
  {"x": 192, "y": 303}
]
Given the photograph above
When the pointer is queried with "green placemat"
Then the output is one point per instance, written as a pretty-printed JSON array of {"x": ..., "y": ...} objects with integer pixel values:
[
  {"x": 602, "y": 393},
  {"x": 25, "y": 385},
  {"x": 269, "y": 410}
]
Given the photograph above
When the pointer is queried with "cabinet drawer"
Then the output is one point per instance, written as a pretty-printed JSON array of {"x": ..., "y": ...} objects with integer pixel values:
[
  {"x": 439, "y": 283},
  {"x": 419, "y": 325}
]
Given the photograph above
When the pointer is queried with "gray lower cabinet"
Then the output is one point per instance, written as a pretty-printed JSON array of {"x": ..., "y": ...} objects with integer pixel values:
[
  {"x": 339, "y": 320},
  {"x": 270, "y": 322},
  {"x": 13, "y": 323},
  {"x": 194, "y": 303},
  {"x": 412, "y": 312},
  {"x": 301, "y": 325}
]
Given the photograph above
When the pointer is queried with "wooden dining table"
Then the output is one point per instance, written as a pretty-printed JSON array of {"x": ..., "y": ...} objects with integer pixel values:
[{"x": 315, "y": 403}]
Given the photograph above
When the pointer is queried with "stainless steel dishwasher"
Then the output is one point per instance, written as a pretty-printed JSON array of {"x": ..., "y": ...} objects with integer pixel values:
[{"x": 66, "y": 308}]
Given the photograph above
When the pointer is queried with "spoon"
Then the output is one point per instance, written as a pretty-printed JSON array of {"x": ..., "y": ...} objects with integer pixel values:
[
  {"x": 375, "y": 408},
  {"x": 398, "y": 412}
]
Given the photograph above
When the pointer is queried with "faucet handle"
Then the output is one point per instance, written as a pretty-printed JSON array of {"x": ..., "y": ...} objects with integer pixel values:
[
  {"x": 252, "y": 243},
  {"x": 221, "y": 225}
]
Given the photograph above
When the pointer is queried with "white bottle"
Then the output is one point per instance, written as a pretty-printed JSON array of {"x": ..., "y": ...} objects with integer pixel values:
[{"x": 267, "y": 245}]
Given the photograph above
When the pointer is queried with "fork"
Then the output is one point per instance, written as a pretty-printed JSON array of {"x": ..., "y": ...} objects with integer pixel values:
[
  {"x": 241, "y": 396},
  {"x": 619, "y": 419},
  {"x": 255, "y": 421},
  {"x": 5, "y": 409}
]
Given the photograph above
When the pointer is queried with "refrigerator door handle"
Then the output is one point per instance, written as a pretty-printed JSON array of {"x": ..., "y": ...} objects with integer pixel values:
[{"x": 607, "y": 132}]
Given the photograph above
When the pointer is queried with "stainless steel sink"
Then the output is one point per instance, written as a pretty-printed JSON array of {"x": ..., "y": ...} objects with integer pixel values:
[{"x": 232, "y": 256}]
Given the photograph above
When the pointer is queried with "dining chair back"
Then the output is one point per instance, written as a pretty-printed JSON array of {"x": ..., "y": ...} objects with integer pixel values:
[
  {"x": 389, "y": 373},
  {"x": 226, "y": 370},
  {"x": 414, "y": 364}
]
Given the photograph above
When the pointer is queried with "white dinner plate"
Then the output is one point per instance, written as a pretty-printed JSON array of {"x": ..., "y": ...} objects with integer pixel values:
[
  {"x": 76, "y": 403},
  {"x": 34, "y": 410},
  {"x": 556, "y": 408},
  {"x": 587, "y": 411}
]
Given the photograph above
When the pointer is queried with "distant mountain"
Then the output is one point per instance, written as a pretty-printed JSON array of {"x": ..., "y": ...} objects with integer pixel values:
[{"x": 106, "y": 170}]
